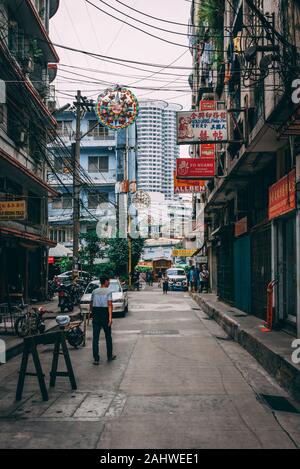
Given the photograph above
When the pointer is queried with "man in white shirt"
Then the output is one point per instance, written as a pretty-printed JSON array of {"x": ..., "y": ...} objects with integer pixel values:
[{"x": 101, "y": 308}]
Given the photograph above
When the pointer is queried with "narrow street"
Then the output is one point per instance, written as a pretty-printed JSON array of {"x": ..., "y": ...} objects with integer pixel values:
[{"x": 178, "y": 382}]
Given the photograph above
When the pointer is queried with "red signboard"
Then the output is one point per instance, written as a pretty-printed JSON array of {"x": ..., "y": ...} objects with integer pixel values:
[
  {"x": 207, "y": 150},
  {"x": 241, "y": 227},
  {"x": 50, "y": 260},
  {"x": 208, "y": 105},
  {"x": 188, "y": 186},
  {"x": 195, "y": 168},
  {"x": 282, "y": 196}
]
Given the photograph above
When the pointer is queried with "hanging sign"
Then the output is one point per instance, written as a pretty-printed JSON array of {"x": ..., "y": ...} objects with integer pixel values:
[
  {"x": 282, "y": 196},
  {"x": 117, "y": 108},
  {"x": 188, "y": 186},
  {"x": 207, "y": 125},
  {"x": 183, "y": 252},
  {"x": 241, "y": 227},
  {"x": 13, "y": 210},
  {"x": 195, "y": 168}
]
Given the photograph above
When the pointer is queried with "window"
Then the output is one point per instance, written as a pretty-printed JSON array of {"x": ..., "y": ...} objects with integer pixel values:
[
  {"x": 60, "y": 166},
  {"x": 64, "y": 128},
  {"x": 65, "y": 202},
  {"x": 95, "y": 199},
  {"x": 99, "y": 132},
  {"x": 34, "y": 208},
  {"x": 98, "y": 164}
]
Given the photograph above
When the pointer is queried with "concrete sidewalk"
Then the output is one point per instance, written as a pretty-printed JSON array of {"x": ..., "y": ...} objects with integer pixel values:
[
  {"x": 14, "y": 344},
  {"x": 273, "y": 350}
]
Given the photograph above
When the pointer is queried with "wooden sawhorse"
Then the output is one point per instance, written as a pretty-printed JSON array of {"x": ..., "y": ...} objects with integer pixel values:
[{"x": 30, "y": 347}]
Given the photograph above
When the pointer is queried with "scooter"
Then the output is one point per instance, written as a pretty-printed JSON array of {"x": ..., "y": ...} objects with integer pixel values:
[
  {"x": 73, "y": 332},
  {"x": 65, "y": 298}
]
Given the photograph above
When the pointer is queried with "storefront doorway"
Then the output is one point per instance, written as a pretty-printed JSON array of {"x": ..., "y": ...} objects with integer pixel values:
[{"x": 289, "y": 269}]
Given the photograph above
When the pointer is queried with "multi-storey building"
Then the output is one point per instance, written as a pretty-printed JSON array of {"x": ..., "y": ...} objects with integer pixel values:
[
  {"x": 157, "y": 147},
  {"x": 102, "y": 166},
  {"x": 252, "y": 216},
  {"x": 25, "y": 120}
]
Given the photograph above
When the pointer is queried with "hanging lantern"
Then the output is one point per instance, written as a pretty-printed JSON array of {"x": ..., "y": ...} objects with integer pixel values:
[{"x": 117, "y": 108}]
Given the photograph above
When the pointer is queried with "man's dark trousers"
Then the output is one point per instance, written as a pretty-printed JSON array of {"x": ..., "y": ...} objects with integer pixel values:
[{"x": 100, "y": 320}]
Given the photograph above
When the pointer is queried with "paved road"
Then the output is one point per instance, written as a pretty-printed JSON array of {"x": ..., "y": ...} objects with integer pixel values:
[{"x": 178, "y": 383}]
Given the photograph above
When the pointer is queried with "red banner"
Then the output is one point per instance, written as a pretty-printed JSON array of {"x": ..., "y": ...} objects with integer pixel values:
[
  {"x": 195, "y": 168},
  {"x": 282, "y": 196},
  {"x": 241, "y": 227}
]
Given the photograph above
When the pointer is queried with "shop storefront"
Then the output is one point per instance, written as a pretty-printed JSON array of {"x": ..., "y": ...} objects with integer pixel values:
[
  {"x": 242, "y": 266},
  {"x": 225, "y": 263},
  {"x": 282, "y": 212},
  {"x": 24, "y": 266}
]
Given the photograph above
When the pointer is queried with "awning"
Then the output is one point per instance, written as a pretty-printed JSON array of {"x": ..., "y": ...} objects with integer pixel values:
[
  {"x": 60, "y": 251},
  {"x": 26, "y": 236}
]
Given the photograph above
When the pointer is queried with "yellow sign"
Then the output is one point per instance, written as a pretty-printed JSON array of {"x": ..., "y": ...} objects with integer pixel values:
[
  {"x": 183, "y": 252},
  {"x": 12, "y": 210}
]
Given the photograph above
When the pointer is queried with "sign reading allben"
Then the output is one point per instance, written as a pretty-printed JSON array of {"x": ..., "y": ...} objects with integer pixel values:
[{"x": 12, "y": 210}]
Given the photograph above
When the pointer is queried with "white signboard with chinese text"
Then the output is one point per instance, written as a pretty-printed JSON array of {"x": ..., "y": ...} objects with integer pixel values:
[{"x": 207, "y": 125}]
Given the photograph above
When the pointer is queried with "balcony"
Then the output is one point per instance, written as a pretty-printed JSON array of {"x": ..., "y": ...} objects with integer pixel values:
[{"x": 31, "y": 23}]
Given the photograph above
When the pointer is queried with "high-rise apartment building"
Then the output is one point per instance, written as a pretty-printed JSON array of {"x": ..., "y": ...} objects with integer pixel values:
[{"x": 157, "y": 146}]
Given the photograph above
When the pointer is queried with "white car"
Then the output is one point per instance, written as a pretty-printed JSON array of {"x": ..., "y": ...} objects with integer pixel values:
[
  {"x": 177, "y": 279},
  {"x": 119, "y": 296}
]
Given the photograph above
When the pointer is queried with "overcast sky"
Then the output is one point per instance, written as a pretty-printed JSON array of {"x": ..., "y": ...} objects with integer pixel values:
[{"x": 79, "y": 25}]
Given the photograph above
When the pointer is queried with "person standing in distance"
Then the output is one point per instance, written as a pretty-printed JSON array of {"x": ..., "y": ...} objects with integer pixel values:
[{"x": 101, "y": 308}]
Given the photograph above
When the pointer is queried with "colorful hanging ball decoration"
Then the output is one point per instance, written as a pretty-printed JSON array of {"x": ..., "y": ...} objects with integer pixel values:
[{"x": 117, "y": 108}]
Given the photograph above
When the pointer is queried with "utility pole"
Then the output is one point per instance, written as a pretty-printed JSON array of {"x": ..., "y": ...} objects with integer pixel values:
[
  {"x": 76, "y": 183},
  {"x": 126, "y": 177},
  {"x": 81, "y": 104}
]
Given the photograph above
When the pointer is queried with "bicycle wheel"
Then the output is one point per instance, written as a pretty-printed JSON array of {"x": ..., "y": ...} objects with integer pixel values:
[{"x": 22, "y": 326}]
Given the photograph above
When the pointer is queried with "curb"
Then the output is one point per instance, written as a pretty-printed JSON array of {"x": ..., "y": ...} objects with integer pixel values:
[
  {"x": 18, "y": 347},
  {"x": 285, "y": 372}
]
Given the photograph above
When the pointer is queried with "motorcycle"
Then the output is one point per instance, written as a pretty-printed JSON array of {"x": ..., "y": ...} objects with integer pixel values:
[
  {"x": 65, "y": 298},
  {"x": 76, "y": 291},
  {"x": 30, "y": 323},
  {"x": 52, "y": 288},
  {"x": 73, "y": 332}
]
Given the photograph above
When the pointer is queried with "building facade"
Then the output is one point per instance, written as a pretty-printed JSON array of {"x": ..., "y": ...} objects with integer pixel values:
[
  {"x": 25, "y": 123},
  {"x": 157, "y": 147},
  {"x": 102, "y": 156},
  {"x": 251, "y": 207}
]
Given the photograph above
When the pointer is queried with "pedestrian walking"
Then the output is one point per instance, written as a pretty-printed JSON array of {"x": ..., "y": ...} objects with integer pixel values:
[
  {"x": 165, "y": 284},
  {"x": 101, "y": 308},
  {"x": 193, "y": 274},
  {"x": 136, "y": 280},
  {"x": 204, "y": 279},
  {"x": 151, "y": 278},
  {"x": 160, "y": 276}
]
